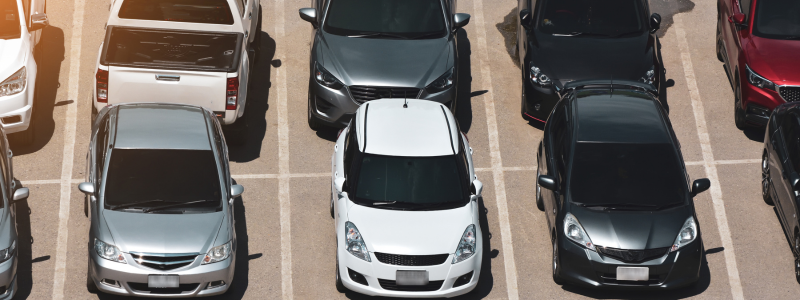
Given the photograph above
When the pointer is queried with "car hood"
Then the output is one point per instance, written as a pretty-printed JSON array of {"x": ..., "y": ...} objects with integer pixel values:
[
  {"x": 633, "y": 230},
  {"x": 12, "y": 57},
  {"x": 776, "y": 60},
  {"x": 384, "y": 62},
  {"x": 411, "y": 232},
  {"x": 163, "y": 233},
  {"x": 580, "y": 58}
]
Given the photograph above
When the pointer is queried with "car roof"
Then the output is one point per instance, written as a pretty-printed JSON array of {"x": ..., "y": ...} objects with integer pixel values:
[
  {"x": 161, "y": 126},
  {"x": 619, "y": 116},
  {"x": 424, "y": 128}
]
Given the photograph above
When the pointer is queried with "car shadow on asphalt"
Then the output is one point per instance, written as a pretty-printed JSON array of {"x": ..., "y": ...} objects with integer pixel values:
[
  {"x": 49, "y": 57},
  {"x": 25, "y": 241},
  {"x": 464, "y": 93}
]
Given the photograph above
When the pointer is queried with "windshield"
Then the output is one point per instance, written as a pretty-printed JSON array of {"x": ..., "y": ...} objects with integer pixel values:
[
  {"x": 9, "y": 21},
  {"x": 591, "y": 17},
  {"x": 393, "y": 181},
  {"x": 626, "y": 173},
  {"x": 404, "y": 19},
  {"x": 777, "y": 19},
  {"x": 159, "y": 177},
  {"x": 193, "y": 11}
]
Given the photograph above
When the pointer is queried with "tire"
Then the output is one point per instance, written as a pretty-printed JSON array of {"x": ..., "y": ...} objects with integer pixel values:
[
  {"x": 332, "y": 216},
  {"x": 522, "y": 99},
  {"x": 765, "y": 185},
  {"x": 313, "y": 122},
  {"x": 719, "y": 41},
  {"x": 738, "y": 112},
  {"x": 555, "y": 266},
  {"x": 90, "y": 286},
  {"x": 539, "y": 200},
  {"x": 797, "y": 257},
  {"x": 236, "y": 134},
  {"x": 339, "y": 285}
]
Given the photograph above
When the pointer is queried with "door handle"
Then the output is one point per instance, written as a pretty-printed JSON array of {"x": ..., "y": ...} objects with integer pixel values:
[{"x": 168, "y": 77}]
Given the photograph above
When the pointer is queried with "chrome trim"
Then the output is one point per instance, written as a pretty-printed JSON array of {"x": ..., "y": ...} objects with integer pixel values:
[
  {"x": 163, "y": 254},
  {"x": 168, "y": 77},
  {"x": 140, "y": 261}
]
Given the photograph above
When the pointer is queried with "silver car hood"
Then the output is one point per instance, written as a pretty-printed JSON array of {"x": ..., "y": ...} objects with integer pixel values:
[
  {"x": 163, "y": 233},
  {"x": 385, "y": 62}
]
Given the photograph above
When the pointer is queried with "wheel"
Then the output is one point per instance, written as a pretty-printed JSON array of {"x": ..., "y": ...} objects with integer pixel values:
[
  {"x": 522, "y": 99},
  {"x": 556, "y": 278},
  {"x": 738, "y": 112},
  {"x": 332, "y": 216},
  {"x": 313, "y": 122},
  {"x": 719, "y": 41},
  {"x": 765, "y": 185},
  {"x": 339, "y": 286},
  {"x": 236, "y": 133},
  {"x": 90, "y": 286},
  {"x": 539, "y": 201}
]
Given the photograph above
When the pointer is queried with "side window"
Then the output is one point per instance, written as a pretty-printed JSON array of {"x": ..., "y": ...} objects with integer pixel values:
[
  {"x": 349, "y": 149},
  {"x": 744, "y": 6},
  {"x": 222, "y": 152},
  {"x": 101, "y": 143},
  {"x": 558, "y": 131},
  {"x": 792, "y": 140}
]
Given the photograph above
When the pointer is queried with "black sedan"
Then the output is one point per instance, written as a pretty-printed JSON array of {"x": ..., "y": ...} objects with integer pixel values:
[
  {"x": 612, "y": 182},
  {"x": 566, "y": 40},
  {"x": 779, "y": 166}
]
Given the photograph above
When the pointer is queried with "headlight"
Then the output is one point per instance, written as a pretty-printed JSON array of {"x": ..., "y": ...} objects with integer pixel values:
[
  {"x": 218, "y": 253},
  {"x": 687, "y": 235},
  {"x": 758, "y": 80},
  {"x": 466, "y": 246},
  {"x": 108, "y": 251},
  {"x": 325, "y": 78},
  {"x": 442, "y": 83},
  {"x": 8, "y": 253},
  {"x": 649, "y": 76},
  {"x": 538, "y": 77},
  {"x": 14, "y": 84},
  {"x": 574, "y": 231},
  {"x": 354, "y": 242}
]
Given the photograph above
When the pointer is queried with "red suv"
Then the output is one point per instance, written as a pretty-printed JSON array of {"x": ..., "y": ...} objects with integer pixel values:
[{"x": 759, "y": 42}]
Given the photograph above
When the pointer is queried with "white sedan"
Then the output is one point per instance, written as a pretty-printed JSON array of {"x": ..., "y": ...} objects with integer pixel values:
[{"x": 405, "y": 201}]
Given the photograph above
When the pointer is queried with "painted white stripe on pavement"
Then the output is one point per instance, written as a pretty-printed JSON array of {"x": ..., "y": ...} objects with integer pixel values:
[
  {"x": 724, "y": 162},
  {"x": 708, "y": 160},
  {"x": 283, "y": 156}
]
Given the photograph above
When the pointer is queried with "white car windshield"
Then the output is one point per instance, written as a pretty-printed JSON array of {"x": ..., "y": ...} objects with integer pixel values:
[{"x": 9, "y": 21}]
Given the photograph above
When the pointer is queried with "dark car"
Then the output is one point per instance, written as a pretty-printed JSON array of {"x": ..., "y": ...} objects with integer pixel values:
[
  {"x": 566, "y": 40},
  {"x": 780, "y": 163},
  {"x": 612, "y": 182},
  {"x": 758, "y": 41}
]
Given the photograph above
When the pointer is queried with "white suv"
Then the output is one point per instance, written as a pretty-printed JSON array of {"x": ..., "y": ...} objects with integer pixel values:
[{"x": 405, "y": 201}]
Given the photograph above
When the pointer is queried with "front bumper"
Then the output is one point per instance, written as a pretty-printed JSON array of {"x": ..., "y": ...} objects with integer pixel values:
[
  {"x": 194, "y": 278},
  {"x": 758, "y": 103},
  {"x": 537, "y": 101},
  {"x": 15, "y": 111},
  {"x": 588, "y": 268},
  {"x": 8, "y": 278}
]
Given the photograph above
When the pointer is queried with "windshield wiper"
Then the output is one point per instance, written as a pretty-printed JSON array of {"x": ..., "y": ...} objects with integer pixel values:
[
  {"x": 377, "y": 34},
  {"x": 384, "y": 203},
  {"x": 115, "y": 207},
  {"x": 424, "y": 35},
  {"x": 146, "y": 210},
  {"x": 615, "y": 206}
]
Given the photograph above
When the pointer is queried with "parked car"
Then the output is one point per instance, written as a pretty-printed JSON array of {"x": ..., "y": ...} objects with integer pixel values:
[
  {"x": 160, "y": 202},
  {"x": 562, "y": 41},
  {"x": 364, "y": 50},
  {"x": 612, "y": 182},
  {"x": 20, "y": 35},
  {"x": 13, "y": 193},
  {"x": 167, "y": 51},
  {"x": 758, "y": 42},
  {"x": 404, "y": 197},
  {"x": 780, "y": 165}
]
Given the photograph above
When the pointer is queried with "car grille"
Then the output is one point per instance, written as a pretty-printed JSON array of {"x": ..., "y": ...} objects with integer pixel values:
[
  {"x": 633, "y": 256},
  {"x": 366, "y": 93},
  {"x": 182, "y": 288},
  {"x": 790, "y": 94},
  {"x": 412, "y": 260},
  {"x": 392, "y": 286},
  {"x": 611, "y": 278},
  {"x": 164, "y": 261}
]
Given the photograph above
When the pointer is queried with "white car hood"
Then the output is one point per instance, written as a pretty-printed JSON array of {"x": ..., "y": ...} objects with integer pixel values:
[
  {"x": 12, "y": 57},
  {"x": 411, "y": 232}
]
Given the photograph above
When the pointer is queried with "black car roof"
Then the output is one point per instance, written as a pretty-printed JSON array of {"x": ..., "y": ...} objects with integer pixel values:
[{"x": 621, "y": 116}]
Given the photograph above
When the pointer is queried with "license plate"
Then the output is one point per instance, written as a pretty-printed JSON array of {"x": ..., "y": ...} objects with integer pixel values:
[
  {"x": 163, "y": 281},
  {"x": 633, "y": 273},
  {"x": 412, "y": 277}
]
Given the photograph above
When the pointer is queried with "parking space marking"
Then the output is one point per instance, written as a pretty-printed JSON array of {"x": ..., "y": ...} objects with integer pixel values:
[
  {"x": 494, "y": 152},
  {"x": 708, "y": 160},
  {"x": 724, "y": 162}
]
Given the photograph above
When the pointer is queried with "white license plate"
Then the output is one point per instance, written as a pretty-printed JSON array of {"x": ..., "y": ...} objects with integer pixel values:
[
  {"x": 163, "y": 281},
  {"x": 633, "y": 273},
  {"x": 412, "y": 277}
]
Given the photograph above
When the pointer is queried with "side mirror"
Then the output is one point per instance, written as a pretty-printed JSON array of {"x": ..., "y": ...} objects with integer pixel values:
[
  {"x": 700, "y": 185},
  {"x": 737, "y": 18},
  {"x": 21, "y": 194},
  {"x": 309, "y": 15},
  {"x": 460, "y": 20},
  {"x": 38, "y": 21},
  {"x": 655, "y": 22},
  {"x": 87, "y": 188},
  {"x": 794, "y": 180},
  {"x": 476, "y": 188},
  {"x": 525, "y": 18},
  {"x": 236, "y": 190},
  {"x": 546, "y": 181},
  {"x": 339, "y": 184}
]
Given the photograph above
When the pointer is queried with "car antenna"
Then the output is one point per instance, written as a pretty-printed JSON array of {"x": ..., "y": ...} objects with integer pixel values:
[{"x": 405, "y": 104}]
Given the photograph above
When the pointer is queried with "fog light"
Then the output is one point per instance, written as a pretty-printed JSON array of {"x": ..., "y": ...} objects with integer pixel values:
[
  {"x": 537, "y": 107},
  {"x": 463, "y": 279},
  {"x": 357, "y": 277},
  {"x": 110, "y": 282},
  {"x": 758, "y": 110},
  {"x": 215, "y": 284},
  {"x": 11, "y": 119}
]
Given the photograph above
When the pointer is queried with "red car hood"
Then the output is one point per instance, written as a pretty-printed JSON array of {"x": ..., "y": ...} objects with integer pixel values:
[{"x": 776, "y": 60}]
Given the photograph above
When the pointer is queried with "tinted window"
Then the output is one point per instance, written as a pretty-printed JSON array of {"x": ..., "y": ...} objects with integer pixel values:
[
  {"x": 100, "y": 149},
  {"x": 777, "y": 19},
  {"x": 9, "y": 21},
  {"x": 791, "y": 135},
  {"x": 194, "y": 11},
  {"x": 137, "y": 175},
  {"x": 410, "y": 180},
  {"x": 398, "y": 18},
  {"x": 591, "y": 17},
  {"x": 626, "y": 173}
]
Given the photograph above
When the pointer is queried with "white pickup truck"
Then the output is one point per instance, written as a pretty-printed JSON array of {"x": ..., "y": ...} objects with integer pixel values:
[{"x": 198, "y": 52}]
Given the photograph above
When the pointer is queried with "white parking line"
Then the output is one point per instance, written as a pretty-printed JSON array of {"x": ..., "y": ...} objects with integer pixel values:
[
  {"x": 69, "y": 149},
  {"x": 724, "y": 162},
  {"x": 708, "y": 159},
  {"x": 494, "y": 152},
  {"x": 283, "y": 157}
]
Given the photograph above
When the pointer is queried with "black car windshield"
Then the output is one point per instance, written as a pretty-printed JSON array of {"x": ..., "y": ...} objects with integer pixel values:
[
  {"x": 591, "y": 17},
  {"x": 194, "y": 11},
  {"x": 626, "y": 174},
  {"x": 777, "y": 19},
  {"x": 412, "y": 182},
  {"x": 159, "y": 177},
  {"x": 9, "y": 21},
  {"x": 403, "y": 19}
]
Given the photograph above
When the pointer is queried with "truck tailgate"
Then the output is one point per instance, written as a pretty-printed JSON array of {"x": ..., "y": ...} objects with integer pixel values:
[{"x": 206, "y": 89}]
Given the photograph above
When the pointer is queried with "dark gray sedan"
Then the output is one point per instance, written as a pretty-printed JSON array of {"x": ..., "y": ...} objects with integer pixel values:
[
  {"x": 160, "y": 199},
  {"x": 13, "y": 193}
]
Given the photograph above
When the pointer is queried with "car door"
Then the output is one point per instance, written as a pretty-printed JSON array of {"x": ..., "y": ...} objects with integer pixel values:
[
  {"x": 246, "y": 14},
  {"x": 734, "y": 34},
  {"x": 777, "y": 163},
  {"x": 791, "y": 165}
]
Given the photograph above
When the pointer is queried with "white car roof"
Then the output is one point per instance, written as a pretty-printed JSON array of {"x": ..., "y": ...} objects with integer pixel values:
[{"x": 424, "y": 128}]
